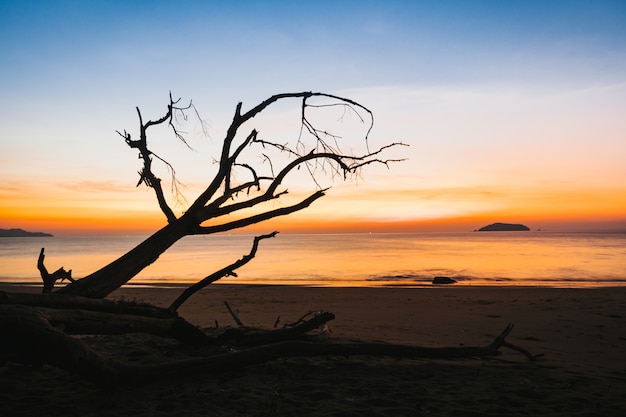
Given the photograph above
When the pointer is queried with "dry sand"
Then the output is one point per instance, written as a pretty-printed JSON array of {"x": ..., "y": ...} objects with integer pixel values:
[{"x": 581, "y": 332}]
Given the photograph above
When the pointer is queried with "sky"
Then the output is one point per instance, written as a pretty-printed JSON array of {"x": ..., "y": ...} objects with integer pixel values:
[{"x": 514, "y": 110}]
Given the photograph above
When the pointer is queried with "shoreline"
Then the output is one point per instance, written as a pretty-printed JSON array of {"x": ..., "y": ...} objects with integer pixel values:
[{"x": 460, "y": 285}]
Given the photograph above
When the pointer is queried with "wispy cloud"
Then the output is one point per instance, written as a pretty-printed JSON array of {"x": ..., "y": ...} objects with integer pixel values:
[{"x": 93, "y": 186}]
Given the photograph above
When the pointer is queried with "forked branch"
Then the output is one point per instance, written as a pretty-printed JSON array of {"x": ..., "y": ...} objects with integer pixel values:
[
  {"x": 231, "y": 150},
  {"x": 247, "y": 221},
  {"x": 50, "y": 279},
  {"x": 146, "y": 175}
]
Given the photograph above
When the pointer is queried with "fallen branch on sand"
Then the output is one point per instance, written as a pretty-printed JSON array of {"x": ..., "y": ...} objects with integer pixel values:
[
  {"x": 35, "y": 331},
  {"x": 49, "y": 279}
]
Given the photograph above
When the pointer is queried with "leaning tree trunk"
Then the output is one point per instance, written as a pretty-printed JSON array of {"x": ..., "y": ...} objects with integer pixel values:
[
  {"x": 224, "y": 195},
  {"x": 111, "y": 277}
]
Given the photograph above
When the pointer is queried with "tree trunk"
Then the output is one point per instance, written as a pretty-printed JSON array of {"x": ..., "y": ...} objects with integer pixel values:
[
  {"x": 111, "y": 277},
  {"x": 224, "y": 195}
]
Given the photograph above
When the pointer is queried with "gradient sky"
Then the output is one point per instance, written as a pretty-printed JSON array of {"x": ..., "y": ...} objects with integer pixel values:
[{"x": 514, "y": 110}]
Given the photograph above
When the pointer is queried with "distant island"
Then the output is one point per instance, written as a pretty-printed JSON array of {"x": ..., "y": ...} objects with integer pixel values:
[
  {"x": 22, "y": 233},
  {"x": 504, "y": 227}
]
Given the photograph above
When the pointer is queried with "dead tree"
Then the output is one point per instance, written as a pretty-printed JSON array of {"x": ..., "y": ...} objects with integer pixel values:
[
  {"x": 315, "y": 149},
  {"x": 40, "y": 326}
]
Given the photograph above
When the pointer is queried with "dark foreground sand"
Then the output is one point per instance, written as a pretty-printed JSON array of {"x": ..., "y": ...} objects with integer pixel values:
[{"x": 581, "y": 332}]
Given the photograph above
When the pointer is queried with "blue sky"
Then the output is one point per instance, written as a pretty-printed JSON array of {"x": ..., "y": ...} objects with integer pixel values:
[
  {"x": 506, "y": 104},
  {"x": 52, "y": 46}
]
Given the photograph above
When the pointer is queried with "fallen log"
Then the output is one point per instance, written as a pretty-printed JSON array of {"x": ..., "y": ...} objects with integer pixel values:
[
  {"x": 28, "y": 335},
  {"x": 64, "y": 301},
  {"x": 88, "y": 316},
  {"x": 85, "y": 322}
]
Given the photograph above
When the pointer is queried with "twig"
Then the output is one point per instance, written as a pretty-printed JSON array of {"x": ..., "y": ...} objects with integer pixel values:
[{"x": 233, "y": 314}]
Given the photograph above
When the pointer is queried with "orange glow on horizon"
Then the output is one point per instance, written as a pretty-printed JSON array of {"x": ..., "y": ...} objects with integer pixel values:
[
  {"x": 86, "y": 225},
  {"x": 96, "y": 226},
  {"x": 76, "y": 212},
  {"x": 459, "y": 224}
]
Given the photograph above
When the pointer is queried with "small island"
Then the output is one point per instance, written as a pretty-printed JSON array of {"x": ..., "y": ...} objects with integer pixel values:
[
  {"x": 504, "y": 227},
  {"x": 22, "y": 233}
]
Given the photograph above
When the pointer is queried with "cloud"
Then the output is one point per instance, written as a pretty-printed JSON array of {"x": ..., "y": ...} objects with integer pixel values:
[{"x": 93, "y": 186}]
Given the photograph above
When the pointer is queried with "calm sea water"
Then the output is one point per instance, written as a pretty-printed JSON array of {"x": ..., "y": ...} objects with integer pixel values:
[{"x": 475, "y": 258}]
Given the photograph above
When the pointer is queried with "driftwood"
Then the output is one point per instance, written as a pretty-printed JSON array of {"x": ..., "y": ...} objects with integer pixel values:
[
  {"x": 84, "y": 316},
  {"x": 85, "y": 303},
  {"x": 49, "y": 279},
  {"x": 33, "y": 336},
  {"x": 39, "y": 327},
  {"x": 88, "y": 316}
]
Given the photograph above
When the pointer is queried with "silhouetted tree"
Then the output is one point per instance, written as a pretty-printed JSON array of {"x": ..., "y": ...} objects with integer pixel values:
[
  {"x": 39, "y": 327},
  {"x": 238, "y": 187}
]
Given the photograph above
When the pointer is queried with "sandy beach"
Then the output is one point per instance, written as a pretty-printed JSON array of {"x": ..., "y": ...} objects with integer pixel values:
[{"x": 580, "y": 332}]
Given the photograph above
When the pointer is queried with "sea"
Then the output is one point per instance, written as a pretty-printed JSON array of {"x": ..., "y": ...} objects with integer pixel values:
[{"x": 533, "y": 258}]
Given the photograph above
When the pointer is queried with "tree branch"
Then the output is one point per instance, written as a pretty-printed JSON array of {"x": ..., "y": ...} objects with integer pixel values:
[
  {"x": 236, "y": 224},
  {"x": 213, "y": 210},
  {"x": 146, "y": 175},
  {"x": 239, "y": 119},
  {"x": 226, "y": 271},
  {"x": 50, "y": 279}
]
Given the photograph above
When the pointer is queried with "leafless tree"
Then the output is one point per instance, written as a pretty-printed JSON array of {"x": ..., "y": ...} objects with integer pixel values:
[
  {"x": 237, "y": 186},
  {"x": 38, "y": 327}
]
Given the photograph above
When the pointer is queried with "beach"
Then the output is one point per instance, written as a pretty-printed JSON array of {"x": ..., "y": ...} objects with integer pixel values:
[{"x": 580, "y": 333}]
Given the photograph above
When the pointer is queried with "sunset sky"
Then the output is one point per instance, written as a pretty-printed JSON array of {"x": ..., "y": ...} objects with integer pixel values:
[{"x": 514, "y": 111}]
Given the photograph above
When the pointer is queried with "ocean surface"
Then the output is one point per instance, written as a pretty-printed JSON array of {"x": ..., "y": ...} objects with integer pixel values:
[{"x": 377, "y": 260}]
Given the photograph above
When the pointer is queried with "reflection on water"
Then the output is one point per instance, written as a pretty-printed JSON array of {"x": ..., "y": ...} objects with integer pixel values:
[{"x": 496, "y": 258}]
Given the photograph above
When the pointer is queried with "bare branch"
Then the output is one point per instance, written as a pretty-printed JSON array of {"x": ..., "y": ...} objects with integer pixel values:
[
  {"x": 232, "y": 160},
  {"x": 146, "y": 175},
  {"x": 226, "y": 271},
  {"x": 346, "y": 164},
  {"x": 236, "y": 224},
  {"x": 49, "y": 279},
  {"x": 176, "y": 185},
  {"x": 222, "y": 178}
]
